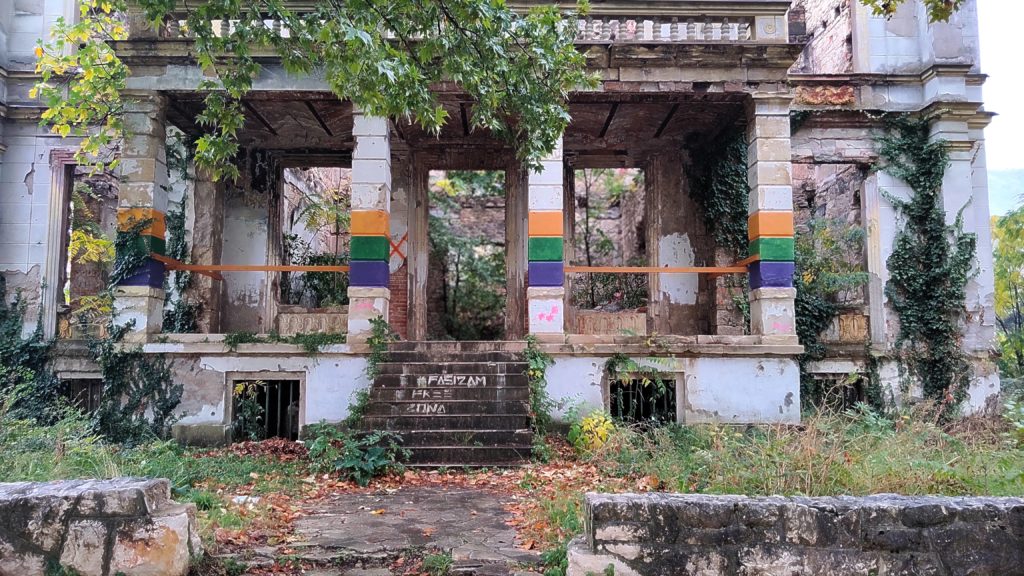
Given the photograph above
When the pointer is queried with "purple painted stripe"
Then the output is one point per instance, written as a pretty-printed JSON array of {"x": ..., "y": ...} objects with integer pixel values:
[
  {"x": 149, "y": 274},
  {"x": 372, "y": 273},
  {"x": 546, "y": 274},
  {"x": 771, "y": 275}
]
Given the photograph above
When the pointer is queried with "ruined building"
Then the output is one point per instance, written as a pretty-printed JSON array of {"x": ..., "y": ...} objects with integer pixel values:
[{"x": 802, "y": 84}]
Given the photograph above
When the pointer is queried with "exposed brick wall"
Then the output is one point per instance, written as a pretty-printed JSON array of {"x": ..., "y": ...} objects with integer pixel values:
[{"x": 398, "y": 313}]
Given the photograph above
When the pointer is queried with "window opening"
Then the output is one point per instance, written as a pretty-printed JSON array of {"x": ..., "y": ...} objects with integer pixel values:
[
  {"x": 83, "y": 393},
  {"x": 643, "y": 400},
  {"x": 265, "y": 409}
]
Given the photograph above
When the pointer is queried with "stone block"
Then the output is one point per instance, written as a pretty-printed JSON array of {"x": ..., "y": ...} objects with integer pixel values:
[
  {"x": 763, "y": 126},
  {"x": 773, "y": 249},
  {"x": 373, "y": 171},
  {"x": 545, "y": 223},
  {"x": 770, "y": 198},
  {"x": 363, "y": 125},
  {"x": 372, "y": 148},
  {"x": 369, "y": 223},
  {"x": 545, "y": 197},
  {"x": 375, "y": 196},
  {"x": 205, "y": 435},
  {"x": 769, "y": 223},
  {"x": 772, "y": 311},
  {"x": 369, "y": 248},
  {"x": 549, "y": 175},
  {"x": 770, "y": 174},
  {"x": 123, "y": 526},
  {"x": 546, "y": 274},
  {"x": 546, "y": 315},
  {"x": 769, "y": 150},
  {"x": 369, "y": 273},
  {"x": 544, "y": 249}
]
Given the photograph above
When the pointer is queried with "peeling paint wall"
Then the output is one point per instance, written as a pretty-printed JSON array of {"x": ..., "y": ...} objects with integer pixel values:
[{"x": 245, "y": 242}]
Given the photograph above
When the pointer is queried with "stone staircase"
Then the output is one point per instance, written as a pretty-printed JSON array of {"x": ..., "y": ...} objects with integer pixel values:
[{"x": 455, "y": 403}]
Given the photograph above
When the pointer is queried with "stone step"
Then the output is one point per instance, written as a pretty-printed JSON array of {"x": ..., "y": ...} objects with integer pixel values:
[
  {"x": 439, "y": 393},
  {"x": 414, "y": 438},
  {"x": 461, "y": 380},
  {"x": 447, "y": 422},
  {"x": 456, "y": 356},
  {"x": 447, "y": 407},
  {"x": 434, "y": 456},
  {"x": 516, "y": 346},
  {"x": 435, "y": 368}
]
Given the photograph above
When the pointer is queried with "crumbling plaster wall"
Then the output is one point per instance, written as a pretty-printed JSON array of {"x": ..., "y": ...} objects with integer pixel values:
[
  {"x": 829, "y": 27},
  {"x": 245, "y": 240},
  {"x": 681, "y": 303},
  {"x": 25, "y": 148},
  {"x": 731, "y": 389}
]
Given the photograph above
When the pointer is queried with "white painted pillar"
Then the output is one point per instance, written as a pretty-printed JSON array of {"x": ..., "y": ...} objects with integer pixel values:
[
  {"x": 770, "y": 221},
  {"x": 546, "y": 250},
  {"x": 370, "y": 246}
]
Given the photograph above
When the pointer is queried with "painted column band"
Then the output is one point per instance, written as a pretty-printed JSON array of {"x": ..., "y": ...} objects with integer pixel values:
[
  {"x": 369, "y": 248},
  {"x": 771, "y": 275},
  {"x": 769, "y": 223},
  {"x": 149, "y": 239},
  {"x": 773, "y": 249},
  {"x": 545, "y": 249}
]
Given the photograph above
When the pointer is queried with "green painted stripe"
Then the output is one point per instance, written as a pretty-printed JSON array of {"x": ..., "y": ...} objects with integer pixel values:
[
  {"x": 147, "y": 243},
  {"x": 370, "y": 248},
  {"x": 545, "y": 249},
  {"x": 773, "y": 249}
]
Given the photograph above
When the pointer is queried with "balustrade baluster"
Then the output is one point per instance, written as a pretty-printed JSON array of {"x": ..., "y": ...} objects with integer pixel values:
[{"x": 614, "y": 29}]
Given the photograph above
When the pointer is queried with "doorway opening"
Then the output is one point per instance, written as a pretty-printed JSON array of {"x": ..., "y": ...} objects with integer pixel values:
[
  {"x": 466, "y": 286},
  {"x": 609, "y": 229}
]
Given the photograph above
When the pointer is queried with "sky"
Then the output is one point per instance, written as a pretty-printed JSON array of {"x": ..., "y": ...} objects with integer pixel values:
[{"x": 1002, "y": 58}]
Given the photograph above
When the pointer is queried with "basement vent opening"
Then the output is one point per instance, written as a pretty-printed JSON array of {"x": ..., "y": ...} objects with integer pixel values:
[
  {"x": 83, "y": 393},
  {"x": 265, "y": 409},
  {"x": 643, "y": 401}
]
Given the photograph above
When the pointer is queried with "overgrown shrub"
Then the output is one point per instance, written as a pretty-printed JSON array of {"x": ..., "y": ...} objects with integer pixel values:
[
  {"x": 590, "y": 433},
  {"x": 24, "y": 362},
  {"x": 355, "y": 456},
  {"x": 139, "y": 394},
  {"x": 250, "y": 417},
  {"x": 930, "y": 264}
]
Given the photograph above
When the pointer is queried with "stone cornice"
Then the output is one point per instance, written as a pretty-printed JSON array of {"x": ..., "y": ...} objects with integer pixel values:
[{"x": 873, "y": 79}]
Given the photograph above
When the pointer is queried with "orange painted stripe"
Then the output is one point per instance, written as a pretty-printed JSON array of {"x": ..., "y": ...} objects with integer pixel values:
[
  {"x": 127, "y": 217},
  {"x": 770, "y": 224},
  {"x": 545, "y": 223},
  {"x": 369, "y": 223}
]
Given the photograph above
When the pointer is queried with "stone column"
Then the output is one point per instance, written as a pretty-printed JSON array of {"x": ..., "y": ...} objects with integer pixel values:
[
  {"x": 546, "y": 274},
  {"x": 770, "y": 221},
  {"x": 370, "y": 245},
  {"x": 141, "y": 206}
]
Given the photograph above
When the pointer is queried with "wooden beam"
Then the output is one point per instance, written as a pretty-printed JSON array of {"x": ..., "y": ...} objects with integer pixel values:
[
  {"x": 668, "y": 118},
  {"x": 252, "y": 109},
  {"x": 516, "y": 211},
  {"x": 465, "y": 119},
  {"x": 608, "y": 120},
  {"x": 316, "y": 115}
]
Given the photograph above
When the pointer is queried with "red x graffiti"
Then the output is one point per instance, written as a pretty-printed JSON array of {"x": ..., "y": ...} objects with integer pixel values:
[{"x": 396, "y": 248}]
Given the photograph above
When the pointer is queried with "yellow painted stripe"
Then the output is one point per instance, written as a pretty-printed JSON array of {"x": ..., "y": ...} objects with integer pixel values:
[
  {"x": 545, "y": 223},
  {"x": 128, "y": 217},
  {"x": 369, "y": 223},
  {"x": 770, "y": 224}
]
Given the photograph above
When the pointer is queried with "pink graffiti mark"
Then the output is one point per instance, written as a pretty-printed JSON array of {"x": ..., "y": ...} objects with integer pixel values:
[
  {"x": 363, "y": 305},
  {"x": 550, "y": 316},
  {"x": 781, "y": 327}
]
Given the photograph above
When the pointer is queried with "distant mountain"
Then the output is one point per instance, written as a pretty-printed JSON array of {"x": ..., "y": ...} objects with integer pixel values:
[{"x": 1005, "y": 190}]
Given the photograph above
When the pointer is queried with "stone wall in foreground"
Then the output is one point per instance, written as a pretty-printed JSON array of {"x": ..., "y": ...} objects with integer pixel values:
[
  {"x": 96, "y": 528},
  {"x": 661, "y": 534}
]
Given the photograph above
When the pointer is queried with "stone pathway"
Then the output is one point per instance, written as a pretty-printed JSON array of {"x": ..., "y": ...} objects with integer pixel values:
[{"x": 369, "y": 530}]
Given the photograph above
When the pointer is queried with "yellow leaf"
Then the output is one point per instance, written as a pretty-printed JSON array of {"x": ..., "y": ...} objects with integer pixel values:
[{"x": 39, "y": 51}]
